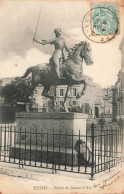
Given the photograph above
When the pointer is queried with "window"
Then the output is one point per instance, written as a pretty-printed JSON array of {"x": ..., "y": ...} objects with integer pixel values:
[
  {"x": 61, "y": 92},
  {"x": 74, "y": 92},
  {"x": 74, "y": 102},
  {"x": 50, "y": 93},
  {"x": 61, "y": 103}
]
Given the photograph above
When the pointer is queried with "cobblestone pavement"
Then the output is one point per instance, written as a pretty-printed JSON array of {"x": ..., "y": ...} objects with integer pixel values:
[{"x": 32, "y": 180}]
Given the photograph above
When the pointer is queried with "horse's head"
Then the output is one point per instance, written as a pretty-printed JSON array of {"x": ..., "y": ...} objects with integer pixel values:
[{"x": 86, "y": 53}]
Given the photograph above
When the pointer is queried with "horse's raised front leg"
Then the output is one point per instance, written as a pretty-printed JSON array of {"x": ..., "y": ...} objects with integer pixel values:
[
  {"x": 83, "y": 90},
  {"x": 65, "y": 99}
]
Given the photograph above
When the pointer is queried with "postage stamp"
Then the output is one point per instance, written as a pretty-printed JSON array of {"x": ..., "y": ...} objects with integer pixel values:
[
  {"x": 104, "y": 18},
  {"x": 101, "y": 23}
]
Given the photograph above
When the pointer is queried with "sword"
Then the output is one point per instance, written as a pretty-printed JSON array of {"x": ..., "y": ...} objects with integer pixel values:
[{"x": 37, "y": 24}]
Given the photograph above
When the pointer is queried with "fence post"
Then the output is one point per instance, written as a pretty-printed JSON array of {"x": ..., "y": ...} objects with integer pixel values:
[
  {"x": 122, "y": 143},
  {"x": 0, "y": 141},
  {"x": 92, "y": 139},
  {"x": 53, "y": 162}
]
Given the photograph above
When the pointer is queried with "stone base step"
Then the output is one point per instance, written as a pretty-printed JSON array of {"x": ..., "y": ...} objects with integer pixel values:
[{"x": 58, "y": 157}]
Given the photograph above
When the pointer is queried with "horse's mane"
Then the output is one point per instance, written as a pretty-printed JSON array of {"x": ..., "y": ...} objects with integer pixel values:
[{"x": 75, "y": 47}]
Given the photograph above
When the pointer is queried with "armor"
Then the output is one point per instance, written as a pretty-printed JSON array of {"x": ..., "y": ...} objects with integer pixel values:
[{"x": 58, "y": 55}]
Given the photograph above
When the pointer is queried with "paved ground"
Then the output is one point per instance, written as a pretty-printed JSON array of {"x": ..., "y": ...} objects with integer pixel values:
[{"x": 33, "y": 180}]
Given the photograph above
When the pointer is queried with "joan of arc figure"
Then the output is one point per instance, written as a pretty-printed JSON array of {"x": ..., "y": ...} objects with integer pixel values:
[{"x": 58, "y": 55}]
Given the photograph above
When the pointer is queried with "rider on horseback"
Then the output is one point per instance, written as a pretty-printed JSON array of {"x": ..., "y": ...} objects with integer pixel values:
[
  {"x": 58, "y": 55},
  {"x": 72, "y": 69}
]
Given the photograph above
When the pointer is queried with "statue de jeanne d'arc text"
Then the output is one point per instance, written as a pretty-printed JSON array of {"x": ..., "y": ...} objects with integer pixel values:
[{"x": 61, "y": 71}]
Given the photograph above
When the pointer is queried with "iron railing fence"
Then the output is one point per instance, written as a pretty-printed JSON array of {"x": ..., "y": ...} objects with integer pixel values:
[
  {"x": 107, "y": 147},
  {"x": 99, "y": 150}
]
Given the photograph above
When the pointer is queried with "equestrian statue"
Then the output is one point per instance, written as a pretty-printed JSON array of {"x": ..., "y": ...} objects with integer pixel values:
[{"x": 61, "y": 71}]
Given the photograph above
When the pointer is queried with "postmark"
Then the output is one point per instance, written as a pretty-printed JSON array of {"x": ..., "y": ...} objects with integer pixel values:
[{"x": 101, "y": 23}]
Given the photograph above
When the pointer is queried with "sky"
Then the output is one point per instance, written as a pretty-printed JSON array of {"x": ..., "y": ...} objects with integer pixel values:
[{"x": 18, "y": 21}]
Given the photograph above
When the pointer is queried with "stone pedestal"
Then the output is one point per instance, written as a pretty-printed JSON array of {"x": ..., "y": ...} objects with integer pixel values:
[
  {"x": 50, "y": 121},
  {"x": 45, "y": 133}
]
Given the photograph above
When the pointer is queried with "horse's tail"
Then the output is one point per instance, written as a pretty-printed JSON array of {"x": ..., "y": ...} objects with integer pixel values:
[
  {"x": 29, "y": 70},
  {"x": 85, "y": 153}
]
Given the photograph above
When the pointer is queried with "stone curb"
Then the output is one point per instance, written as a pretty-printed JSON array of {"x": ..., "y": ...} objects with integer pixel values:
[
  {"x": 35, "y": 173},
  {"x": 25, "y": 172}
]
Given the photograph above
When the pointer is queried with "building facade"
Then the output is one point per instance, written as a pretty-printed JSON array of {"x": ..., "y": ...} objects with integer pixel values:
[
  {"x": 96, "y": 102},
  {"x": 118, "y": 106}
]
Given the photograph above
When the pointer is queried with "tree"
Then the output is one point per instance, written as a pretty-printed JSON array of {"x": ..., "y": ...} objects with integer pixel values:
[{"x": 19, "y": 90}]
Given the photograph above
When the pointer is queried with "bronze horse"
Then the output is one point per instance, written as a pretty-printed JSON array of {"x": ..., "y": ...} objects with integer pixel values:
[{"x": 71, "y": 69}]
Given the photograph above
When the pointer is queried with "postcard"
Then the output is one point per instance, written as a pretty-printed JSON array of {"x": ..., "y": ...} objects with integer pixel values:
[{"x": 61, "y": 96}]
